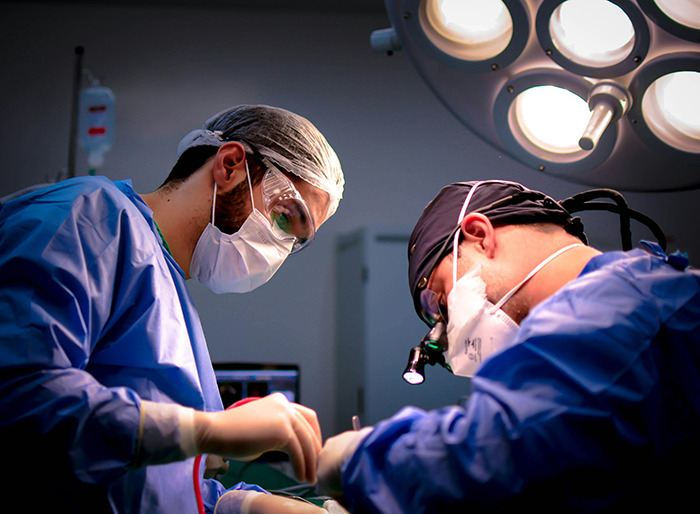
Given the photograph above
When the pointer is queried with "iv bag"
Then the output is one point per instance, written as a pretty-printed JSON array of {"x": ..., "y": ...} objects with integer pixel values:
[{"x": 96, "y": 123}]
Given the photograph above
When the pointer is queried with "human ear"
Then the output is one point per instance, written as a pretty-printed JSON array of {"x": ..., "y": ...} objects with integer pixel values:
[
  {"x": 229, "y": 168},
  {"x": 478, "y": 230}
]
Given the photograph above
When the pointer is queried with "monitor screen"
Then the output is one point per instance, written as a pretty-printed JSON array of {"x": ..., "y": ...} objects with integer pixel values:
[{"x": 238, "y": 381}]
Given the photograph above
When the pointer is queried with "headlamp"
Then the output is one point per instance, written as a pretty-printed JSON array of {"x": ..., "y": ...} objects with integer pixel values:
[{"x": 429, "y": 351}]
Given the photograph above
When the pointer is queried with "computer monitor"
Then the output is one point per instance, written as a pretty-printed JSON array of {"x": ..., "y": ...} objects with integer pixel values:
[{"x": 238, "y": 380}]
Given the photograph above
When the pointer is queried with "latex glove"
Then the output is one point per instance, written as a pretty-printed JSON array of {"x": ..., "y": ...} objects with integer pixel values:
[
  {"x": 253, "y": 502},
  {"x": 270, "y": 423},
  {"x": 215, "y": 465},
  {"x": 335, "y": 452}
]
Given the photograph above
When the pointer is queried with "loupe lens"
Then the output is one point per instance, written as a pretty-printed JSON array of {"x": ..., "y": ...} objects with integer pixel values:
[{"x": 430, "y": 302}]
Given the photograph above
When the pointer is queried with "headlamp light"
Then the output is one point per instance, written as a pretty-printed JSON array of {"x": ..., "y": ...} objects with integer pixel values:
[{"x": 429, "y": 351}]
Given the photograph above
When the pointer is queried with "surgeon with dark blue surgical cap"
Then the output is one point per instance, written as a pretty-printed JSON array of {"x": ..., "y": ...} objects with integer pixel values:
[
  {"x": 585, "y": 366},
  {"x": 108, "y": 399}
]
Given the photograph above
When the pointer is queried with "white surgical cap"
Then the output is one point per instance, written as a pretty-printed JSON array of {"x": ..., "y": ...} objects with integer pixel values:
[{"x": 290, "y": 141}]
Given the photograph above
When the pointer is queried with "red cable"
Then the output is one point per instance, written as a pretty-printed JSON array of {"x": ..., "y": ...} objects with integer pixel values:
[
  {"x": 197, "y": 491},
  {"x": 198, "y": 461}
]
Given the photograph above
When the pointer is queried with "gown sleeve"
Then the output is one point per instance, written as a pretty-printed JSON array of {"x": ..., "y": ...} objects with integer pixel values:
[{"x": 63, "y": 263}]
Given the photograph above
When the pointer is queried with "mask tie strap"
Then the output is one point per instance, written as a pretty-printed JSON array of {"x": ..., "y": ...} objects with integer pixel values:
[
  {"x": 250, "y": 185},
  {"x": 213, "y": 204},
  {"x": 541, "y": 265}
]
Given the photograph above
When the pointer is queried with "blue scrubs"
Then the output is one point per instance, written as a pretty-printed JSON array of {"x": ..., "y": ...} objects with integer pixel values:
[
  {"x": 595, "y": 406},
  {"x": 94, "y": 317}
]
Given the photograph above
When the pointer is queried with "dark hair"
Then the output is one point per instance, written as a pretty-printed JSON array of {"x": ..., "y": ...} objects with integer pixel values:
[
  {"x": 194, "y": 158},
  {"x": 189, "y": 162}
]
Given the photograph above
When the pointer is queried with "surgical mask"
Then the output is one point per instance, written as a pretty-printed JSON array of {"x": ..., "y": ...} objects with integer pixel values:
[
  {"x": 239, "y": 262},
  {"x": 476, "y": 328}
]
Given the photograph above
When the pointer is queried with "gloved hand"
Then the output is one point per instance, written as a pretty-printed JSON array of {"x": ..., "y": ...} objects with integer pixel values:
[
  {"x": 270, "y": 423},
  {"x": 215, "y": 465},
  {"x": 335, "y": 452}
]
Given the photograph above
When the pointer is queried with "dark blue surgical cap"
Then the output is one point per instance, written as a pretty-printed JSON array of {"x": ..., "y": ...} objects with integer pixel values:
[{"x": 502, "y": 202}]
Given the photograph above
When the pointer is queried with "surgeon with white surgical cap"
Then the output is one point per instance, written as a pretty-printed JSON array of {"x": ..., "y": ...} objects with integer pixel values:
[{"x": 107, "y": 392}]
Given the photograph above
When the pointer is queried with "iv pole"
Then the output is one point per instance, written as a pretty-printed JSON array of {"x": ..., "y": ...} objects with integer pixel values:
[{"x": 77, "y": 78}]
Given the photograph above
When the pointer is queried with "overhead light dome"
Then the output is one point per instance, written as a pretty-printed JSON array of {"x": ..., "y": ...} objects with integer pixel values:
[
  {"x": 470, "y": 29},
  {"x": 469, "y": 35},
  {"x": 671, "y": 108},
  {"x": 593, "y": 38},
  {"x": 570, "y": 88},
  {"x": 685, "y": 12},
  {"x": 594, "y": 33},
  {"x": 552, "y": 118}
]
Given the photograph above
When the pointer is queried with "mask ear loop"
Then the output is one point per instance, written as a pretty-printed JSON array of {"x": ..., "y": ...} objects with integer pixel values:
[
  {"x": 250, "y": 188},
  {"x": 462, "y": 213},
  {"x": 537, "y": 268},
  {"x": 456, "y": 239},
  {"x": 532, "y": 273},
  {"x": 250, "y": 185},
  {"x": 213, "y": 204}
]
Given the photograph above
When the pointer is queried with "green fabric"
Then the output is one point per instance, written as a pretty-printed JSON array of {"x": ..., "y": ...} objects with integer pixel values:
[{"x": 165, "y": 243}]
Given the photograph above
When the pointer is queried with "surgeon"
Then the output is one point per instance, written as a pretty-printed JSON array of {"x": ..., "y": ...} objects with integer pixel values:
[
  {"x": 108, "y": 399},
  {"x": 585, "y": 367}
]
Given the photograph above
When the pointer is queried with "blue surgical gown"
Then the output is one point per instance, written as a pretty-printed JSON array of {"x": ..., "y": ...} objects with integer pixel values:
[
  {"x": 595, "y": 406},
  {"x": 94, "y": 317}
]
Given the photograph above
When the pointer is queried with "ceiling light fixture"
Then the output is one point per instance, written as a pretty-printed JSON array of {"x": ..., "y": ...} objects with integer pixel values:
[{"x": 510, "y": 70}]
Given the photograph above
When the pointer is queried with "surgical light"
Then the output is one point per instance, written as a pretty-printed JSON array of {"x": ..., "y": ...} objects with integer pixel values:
[
  {"x": 553, "y": 118},
  {"x": 685, "y": 12},
  {"x": 542, "y": 142},
  {"x": 665, "y": 107},
  {"x": 681, "y": 18},
  {"x": 487, "y": 60},
  {"x": 671, "y": 107},
  {"x": 594, "y": 33},
  {"x": 469, "y": 29},
  {"x": 608, "y": 101}
]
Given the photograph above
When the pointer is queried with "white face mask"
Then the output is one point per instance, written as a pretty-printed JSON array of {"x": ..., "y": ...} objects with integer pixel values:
[
  {"x": 476, "y": 328},
  {"x": 239, "y": 262}
]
